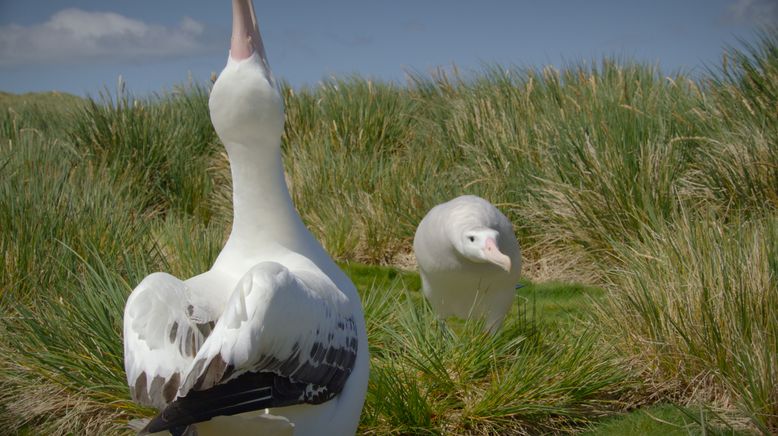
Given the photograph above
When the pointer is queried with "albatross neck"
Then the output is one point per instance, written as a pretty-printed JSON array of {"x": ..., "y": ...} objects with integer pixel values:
[{"x": 262, "y": 207}]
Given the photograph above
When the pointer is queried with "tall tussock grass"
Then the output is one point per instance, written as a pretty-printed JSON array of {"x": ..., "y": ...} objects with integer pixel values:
[
  {"x": 739, "y": 162},
  {"x": 699, "y": 287},
  {"x": 577, "y": 156},
  {"x": 350, "y": 144},
  {"x": 701, "y": 298},
  {"x": 165, "y": 145},
  {"x": 52, "y": 200},
  {"x": 663, "y": 190},
  {"x": 41, "y": 112},
  {"x": 62, "y": 369}
]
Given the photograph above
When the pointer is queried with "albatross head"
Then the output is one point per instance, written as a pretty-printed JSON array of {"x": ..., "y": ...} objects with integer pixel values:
[
  {"x": 246, "y": 107},
  {"x": 480, "y": 245}
]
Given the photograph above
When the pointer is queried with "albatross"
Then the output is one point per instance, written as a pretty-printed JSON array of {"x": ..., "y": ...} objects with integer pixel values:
[
  {"x": 270, "y": 340},
  {"x": 469, "y": 260}
]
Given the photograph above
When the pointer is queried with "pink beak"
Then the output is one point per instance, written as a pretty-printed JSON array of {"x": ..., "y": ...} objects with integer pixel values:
[
  {"x": 245, "y": 34},
  {"x": 495, "y": 256}
]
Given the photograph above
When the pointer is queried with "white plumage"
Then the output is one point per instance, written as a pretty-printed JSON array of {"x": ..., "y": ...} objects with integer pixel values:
[
  {"x": 270, "y": 340},
  {"x": 469, "y": 260}
]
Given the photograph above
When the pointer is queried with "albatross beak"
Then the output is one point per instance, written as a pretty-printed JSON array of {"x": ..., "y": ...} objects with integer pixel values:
[
  {"x": 495, "y": 256},
  {"x": 245, "y": 35}
]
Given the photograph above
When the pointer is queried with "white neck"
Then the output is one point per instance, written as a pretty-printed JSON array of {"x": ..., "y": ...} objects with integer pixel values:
[
  {"x": 247, "y": 114},
  {"x": 263, "y": 209}
]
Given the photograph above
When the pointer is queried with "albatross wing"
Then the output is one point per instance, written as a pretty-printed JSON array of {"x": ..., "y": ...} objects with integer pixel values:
[
  {"x": 284, "y": 338},
  {"x": 160, "y": 338}
]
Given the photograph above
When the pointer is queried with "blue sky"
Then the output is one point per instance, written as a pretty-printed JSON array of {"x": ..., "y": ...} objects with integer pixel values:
[{"x": 83, "y": 46}]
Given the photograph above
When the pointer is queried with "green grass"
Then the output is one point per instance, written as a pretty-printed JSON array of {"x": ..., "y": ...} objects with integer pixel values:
[
  {"x": 560, "y": 304},
  {"x": 453, "y": 379},
  {"x": 657, "y": 420},
  {"x": 370, "y": 276},
  {"x": 707, "y": 296},
  {"x": 662, "y": 419},
  {"x": 646, "y": 206}
]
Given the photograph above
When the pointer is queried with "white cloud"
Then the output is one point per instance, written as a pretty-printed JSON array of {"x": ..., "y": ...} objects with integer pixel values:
[
  {"x": 74, "y": 35},
  {"x": 759, "y": 12}
]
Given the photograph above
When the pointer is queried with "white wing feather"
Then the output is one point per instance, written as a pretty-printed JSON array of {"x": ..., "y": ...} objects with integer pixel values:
[
  {"x": 160, "y": 340},
  {"x": 280, "y": 322}
]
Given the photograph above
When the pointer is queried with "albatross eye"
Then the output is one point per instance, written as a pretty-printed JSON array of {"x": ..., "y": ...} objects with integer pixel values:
[{"x": 471, "y": 238}]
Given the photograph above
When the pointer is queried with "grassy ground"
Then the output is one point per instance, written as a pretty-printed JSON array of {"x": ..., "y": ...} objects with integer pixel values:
[
  {"x": 659, "y": 193},
  {"x": 663, "y": 419},
  {"x": 566, "y": 309}
]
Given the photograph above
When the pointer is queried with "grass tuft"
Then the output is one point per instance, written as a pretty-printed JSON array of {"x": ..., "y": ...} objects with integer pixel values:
[{"x": 702, "y": 302}]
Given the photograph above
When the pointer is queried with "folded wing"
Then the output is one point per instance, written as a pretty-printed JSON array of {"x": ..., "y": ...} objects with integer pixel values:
[
  {"x": 160, "y": 339},
  {"x": 284, "y": 338}
]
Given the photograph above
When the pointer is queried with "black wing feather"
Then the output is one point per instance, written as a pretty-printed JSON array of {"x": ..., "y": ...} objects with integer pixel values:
[{"x": 313, "y": 380}]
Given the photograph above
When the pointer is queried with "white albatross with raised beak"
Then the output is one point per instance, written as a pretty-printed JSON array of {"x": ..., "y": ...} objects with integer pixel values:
[
  {"x": 271, "y": 340},
  {"x": 469, "y": 260}
]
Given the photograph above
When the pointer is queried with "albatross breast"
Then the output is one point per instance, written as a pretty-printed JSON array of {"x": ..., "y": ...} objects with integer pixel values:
[{"x": 469, "y": 260}]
